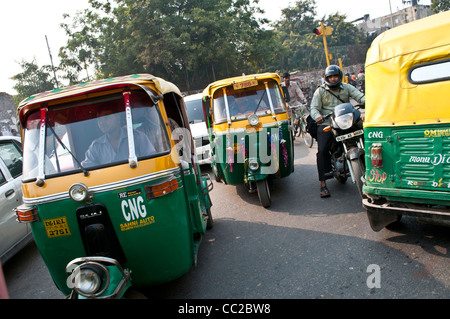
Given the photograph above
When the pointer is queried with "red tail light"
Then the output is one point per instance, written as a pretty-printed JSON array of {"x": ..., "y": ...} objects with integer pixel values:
[{"x": 376, "y": 155}]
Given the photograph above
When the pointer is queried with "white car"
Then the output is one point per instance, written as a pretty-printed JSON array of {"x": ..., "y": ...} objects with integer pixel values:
[
  {"x": 13, "y": 236},
  {"x": 198, "y": 127}
]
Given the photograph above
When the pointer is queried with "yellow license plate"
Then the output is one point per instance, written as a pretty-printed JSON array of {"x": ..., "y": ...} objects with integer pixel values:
[
  {"x": 245, "y": 84},
  {"x": 57, "y": 227}
]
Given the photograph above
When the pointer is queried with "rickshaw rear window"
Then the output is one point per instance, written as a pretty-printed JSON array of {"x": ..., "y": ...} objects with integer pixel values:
[
  {"x": 435, "y": 71},
  {"x": 92, "y": 133}
]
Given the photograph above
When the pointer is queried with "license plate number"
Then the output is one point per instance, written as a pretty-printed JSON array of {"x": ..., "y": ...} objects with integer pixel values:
[
  {"x": 57, "y": 227},
  {"x": 245, "y": 84},
  {"x": 349, "y": 135}
]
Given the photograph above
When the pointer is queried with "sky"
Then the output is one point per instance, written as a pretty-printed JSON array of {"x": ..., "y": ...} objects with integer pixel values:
[{"x": 25, "y": 23}]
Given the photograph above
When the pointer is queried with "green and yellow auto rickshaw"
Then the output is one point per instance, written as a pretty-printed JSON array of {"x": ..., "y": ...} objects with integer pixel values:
[
  {"x": 111, "y": 187},
  {"x": 407, "y": 124},
  {"x": 250, "y": 131}
]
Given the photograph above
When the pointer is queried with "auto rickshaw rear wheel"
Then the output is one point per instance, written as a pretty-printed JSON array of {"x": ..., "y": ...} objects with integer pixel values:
[{"x": 209, "y": 221}]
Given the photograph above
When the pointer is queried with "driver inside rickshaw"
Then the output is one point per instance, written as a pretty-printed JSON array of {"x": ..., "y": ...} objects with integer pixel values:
[
  {"x": 245, "y": 104},
  {"x": 238, "y": 106},
  {"x": 112, "y": 146}
]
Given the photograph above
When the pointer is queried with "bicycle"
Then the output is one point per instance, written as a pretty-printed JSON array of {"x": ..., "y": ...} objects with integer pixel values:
[{"x": 300, "y": 114}]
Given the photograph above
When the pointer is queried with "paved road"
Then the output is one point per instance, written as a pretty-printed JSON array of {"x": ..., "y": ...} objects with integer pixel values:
[{"x": 303, "y": 246}]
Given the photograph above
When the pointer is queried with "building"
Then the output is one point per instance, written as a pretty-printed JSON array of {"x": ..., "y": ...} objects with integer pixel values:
[{"x": 403, "y": 16}]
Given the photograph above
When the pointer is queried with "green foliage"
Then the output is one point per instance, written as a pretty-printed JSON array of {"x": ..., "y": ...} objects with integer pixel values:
[
  {"x": 192, "y": 42},
  {"x": 32, "y": 80},
  {"x": 440, "y": 5}
]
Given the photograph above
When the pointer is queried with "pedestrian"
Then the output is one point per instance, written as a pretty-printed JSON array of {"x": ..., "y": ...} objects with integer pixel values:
[{"x": 330, "y": 94}]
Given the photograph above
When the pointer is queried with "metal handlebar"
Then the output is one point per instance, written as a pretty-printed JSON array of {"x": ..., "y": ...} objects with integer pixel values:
[{"x": 297, "y": 106}]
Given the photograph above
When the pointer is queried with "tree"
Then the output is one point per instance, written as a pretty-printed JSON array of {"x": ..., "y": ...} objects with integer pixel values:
[
  {"x": 440, "y": 5},
  {"x": 302, "y": 49},
  {"x": 305, "y": 51},
  {"x": 184, "y": 41},
  {"x": 32, "y": 80}
]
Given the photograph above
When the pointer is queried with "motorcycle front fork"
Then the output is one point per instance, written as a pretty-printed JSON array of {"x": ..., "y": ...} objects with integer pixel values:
[{"x": 360, "y": 145}]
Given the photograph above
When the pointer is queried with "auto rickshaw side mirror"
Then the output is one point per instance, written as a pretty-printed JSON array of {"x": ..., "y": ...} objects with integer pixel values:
[{"x": 287, "y": 98}]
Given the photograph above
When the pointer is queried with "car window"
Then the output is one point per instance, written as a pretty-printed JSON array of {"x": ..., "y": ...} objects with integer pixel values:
[
  {"x": 194, "y": 110},
  {"x": 12, "y": 157},
  {"x": 2, "y": 178}
]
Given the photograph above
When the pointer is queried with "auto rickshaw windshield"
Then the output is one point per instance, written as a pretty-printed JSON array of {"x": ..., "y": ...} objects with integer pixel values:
[
  {"x": 93, "y": 133},
  {"x": 244, "y": 102}
]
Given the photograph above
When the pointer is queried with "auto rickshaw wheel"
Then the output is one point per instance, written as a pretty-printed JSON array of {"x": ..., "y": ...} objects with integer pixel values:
[
  {"x": 217, "y": 174},
  {"x": 209, "y": 221},
  {"x": 264, "y": 192}
]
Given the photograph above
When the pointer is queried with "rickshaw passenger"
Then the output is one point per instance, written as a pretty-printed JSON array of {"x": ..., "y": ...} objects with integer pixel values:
[
  {"x": 112, "y": 146},
  {"x": 330, "y": 94},
  {"x": 152, "y": 127}
]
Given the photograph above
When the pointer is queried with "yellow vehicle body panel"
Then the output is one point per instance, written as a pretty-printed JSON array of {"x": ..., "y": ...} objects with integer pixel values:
[
  {"x": 210, "y": 89},
  {"x": 391, "y": 98},
  {"x": 98, "y": 177}
]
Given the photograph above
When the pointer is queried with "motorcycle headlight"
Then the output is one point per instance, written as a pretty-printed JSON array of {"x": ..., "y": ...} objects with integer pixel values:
[
  {"x": 344, "y": 121},
  {"x": 253, "y": 164}
]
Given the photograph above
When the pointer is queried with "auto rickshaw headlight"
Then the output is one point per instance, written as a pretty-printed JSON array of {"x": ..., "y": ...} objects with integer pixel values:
[
  {"x": 89, "y": 282},
  {"x": 344, "y": 121},
  {"x": 90, "y": 279},
  {"x": 253, "y": 120},
  {"x": 253, "y": 164},
  {"x": 79, "y": 192}
]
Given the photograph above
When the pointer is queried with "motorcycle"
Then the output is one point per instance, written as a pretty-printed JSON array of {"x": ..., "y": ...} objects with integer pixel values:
[{"x": 347, "y": 150}]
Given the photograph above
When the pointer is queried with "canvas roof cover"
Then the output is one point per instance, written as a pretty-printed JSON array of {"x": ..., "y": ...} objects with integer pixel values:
[
  {"x": 161, "y": 85},
  {"x": 391, "y": 98},
  {"x": 225, "y": 82}
]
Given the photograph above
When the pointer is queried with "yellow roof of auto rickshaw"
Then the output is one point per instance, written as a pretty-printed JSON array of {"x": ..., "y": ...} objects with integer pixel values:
[
  {"x": 416, "y": 36},
  {"x": 161, "y": 85},
  {"x": 225, "y": 82},
  {"x": 392, "y": 98}
]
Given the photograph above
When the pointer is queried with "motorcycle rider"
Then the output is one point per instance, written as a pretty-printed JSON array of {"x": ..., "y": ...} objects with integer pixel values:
[{"x": 328, "y": 95}]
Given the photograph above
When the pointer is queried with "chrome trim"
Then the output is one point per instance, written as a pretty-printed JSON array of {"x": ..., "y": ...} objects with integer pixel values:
[
  {"x": 103, "y": 188},
  {"x": 276, "y": 123},
  {"x": 40, "y": 180},
  {"x": 225, "y": 97},
  {"x": 266, "y": 84},
  {"x": 243, "y": 130},
  {"x": 132, "y": 158},
  {"x": 99, "y": 261}
]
